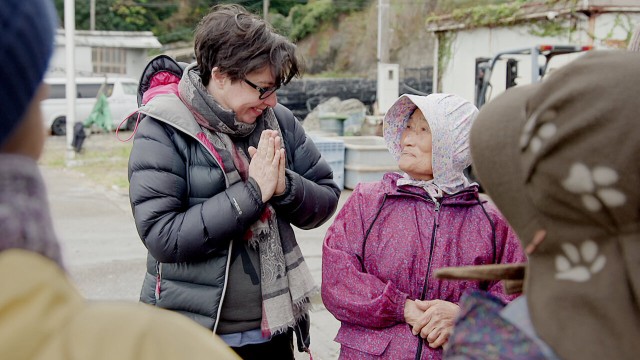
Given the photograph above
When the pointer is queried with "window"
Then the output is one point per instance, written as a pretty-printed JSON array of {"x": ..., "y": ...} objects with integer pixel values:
[
  {"x": 130, "y": 88},
  {"x": 85, "y": 91},
  {"x": 57, "y": 91},
  {"x": 109, "y": 60},
  {"x": 92, "y": 90}
]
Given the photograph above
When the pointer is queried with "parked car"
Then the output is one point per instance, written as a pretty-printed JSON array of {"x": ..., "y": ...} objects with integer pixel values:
[{"x": 121, "y": 95}]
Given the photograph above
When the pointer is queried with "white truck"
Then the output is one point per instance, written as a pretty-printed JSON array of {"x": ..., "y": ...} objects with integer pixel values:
[
  {"x": 538, "y": 58},
  {"x": 121, "y": 95}
]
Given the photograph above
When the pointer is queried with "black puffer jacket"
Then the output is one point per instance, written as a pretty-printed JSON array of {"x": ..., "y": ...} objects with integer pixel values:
[{"x": 187, "y": 217}]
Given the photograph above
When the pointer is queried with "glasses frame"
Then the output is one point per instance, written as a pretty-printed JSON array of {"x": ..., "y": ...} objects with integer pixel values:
[{"x": 264, "y": 92}]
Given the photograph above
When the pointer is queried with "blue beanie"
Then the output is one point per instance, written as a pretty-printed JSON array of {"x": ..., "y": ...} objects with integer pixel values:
[{"x": 27, "y": 28}]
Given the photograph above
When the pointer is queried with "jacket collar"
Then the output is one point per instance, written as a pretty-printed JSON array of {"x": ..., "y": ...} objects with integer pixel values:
[{"x": 466, "y": 197}]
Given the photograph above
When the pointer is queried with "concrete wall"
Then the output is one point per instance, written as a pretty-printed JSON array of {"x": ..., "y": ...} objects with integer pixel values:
[
  {"x": 136, "y": 45},
  {"x": 612, "y": 2},
  {"x": 57, "y": 66},
  {"x": 136, "y": 61}
]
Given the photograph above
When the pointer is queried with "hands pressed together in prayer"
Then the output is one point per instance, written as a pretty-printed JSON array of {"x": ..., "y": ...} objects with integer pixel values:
[
  {"x": 267, "y": 164},
  {"x": 432, "y": 320}
]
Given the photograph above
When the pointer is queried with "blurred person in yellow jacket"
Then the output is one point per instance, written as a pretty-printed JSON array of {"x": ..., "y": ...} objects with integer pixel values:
[{"x": 42, "y": 314}]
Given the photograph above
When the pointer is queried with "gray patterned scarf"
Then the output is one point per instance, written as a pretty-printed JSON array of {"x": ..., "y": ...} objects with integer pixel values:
[{"x": 286, "y": 281}]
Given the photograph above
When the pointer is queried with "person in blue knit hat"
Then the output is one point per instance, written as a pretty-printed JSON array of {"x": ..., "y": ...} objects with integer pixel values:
[{"x": 42, "y": 314}]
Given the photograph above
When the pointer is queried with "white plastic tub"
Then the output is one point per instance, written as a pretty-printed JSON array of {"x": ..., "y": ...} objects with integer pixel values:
[
  {"x": 367, "y": 159},
  {"x": 332, "y": 150}
]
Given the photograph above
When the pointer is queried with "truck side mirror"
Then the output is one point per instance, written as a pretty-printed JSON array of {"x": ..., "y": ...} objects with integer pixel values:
[
  {"x": 482, "y": 64},
  {"x": 512, "y": 72}
]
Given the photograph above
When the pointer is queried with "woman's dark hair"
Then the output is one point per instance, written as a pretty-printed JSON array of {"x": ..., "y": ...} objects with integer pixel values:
[{"x": 238, "y": 43}]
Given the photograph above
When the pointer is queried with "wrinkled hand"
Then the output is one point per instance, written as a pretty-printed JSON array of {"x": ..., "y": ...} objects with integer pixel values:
[
  {"x": 433, "y": 320},
  {"x": 264, "y": 166}
]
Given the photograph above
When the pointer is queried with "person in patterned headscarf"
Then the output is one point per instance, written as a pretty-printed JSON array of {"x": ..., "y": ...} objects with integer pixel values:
[
  {"x": 565, "y": 173},
  {"x": 380, "y": 253}
]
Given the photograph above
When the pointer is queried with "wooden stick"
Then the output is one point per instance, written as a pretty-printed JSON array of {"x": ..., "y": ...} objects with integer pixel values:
[{"x": 483, "y": 272}]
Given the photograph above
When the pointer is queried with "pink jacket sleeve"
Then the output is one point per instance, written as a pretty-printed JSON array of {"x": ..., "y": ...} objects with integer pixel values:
[
  {"x": 351, "y": 295},
  {"x": 509, "y": 250}
]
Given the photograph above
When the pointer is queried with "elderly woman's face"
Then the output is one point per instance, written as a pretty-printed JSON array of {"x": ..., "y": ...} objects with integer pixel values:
[{"x": 416, "y": 155}]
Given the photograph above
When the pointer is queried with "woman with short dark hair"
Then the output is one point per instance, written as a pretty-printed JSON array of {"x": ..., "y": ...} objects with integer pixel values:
[{"x": 219, "y": 171}]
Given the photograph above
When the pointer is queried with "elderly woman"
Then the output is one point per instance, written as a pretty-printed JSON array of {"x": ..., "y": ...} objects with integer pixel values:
[
  {"x": 219, "y": 172},
  {"x": 388, "y": 239}
]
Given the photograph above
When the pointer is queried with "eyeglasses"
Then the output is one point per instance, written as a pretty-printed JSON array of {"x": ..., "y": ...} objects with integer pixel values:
[{"x": 264, "y": 92}]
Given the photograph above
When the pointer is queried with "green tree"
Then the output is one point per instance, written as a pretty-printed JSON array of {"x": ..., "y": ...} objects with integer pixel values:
[
  {"x": 175, "y": 20},
  {"x": 121, "y": 15}
]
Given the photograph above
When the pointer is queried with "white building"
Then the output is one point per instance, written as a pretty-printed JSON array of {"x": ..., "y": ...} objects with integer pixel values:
[
  {"x": 464, "y": 37},
  {"x": 99, "y": 53}
]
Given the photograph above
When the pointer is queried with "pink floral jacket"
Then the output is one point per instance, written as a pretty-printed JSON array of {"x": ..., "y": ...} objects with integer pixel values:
[{"x": 365, "y": 284}]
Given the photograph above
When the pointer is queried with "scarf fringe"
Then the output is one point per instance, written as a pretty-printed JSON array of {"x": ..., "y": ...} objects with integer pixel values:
[{"x": 304, "y": 314}]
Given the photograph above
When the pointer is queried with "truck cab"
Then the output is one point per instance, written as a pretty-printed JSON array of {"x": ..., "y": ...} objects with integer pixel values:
[{"x": 538, "y": 58}]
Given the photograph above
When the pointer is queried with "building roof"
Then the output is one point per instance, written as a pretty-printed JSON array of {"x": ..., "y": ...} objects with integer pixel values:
[
  {"x": 119, "y": 39},
  {"x": 508, "y": 14}
]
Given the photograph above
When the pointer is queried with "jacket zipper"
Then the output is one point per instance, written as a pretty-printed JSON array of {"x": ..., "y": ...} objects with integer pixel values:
[
  {"x": 426, "y": 279},
  {"x": 158, "y": 280},
  {"x": 431, "y": 247},
  {"x": 224, "y": 287}
]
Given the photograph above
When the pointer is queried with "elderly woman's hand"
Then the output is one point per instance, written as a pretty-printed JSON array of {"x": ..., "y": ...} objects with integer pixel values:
[
  {"x": 264, "y": 167},
  {"x": 433, "y": 320}
]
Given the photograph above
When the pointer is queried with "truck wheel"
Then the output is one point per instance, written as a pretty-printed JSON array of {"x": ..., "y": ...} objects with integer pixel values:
[{"x": 59, "y": 126}]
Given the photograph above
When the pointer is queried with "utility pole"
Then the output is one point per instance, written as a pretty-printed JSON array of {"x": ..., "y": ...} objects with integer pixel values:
[
  {"x": 265, "y": 10},
  {"x": 383, "y": 31},
  {"x": 387, "y": 88},
  {"x": 70, "y": 53},
  {"x": 92, "y": 15}
]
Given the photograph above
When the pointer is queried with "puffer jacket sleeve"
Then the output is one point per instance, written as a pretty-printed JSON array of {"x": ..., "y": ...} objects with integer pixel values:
[
  {"x": 508, "y": 250},
  {"x": 311, "y": 196},
  {"x": 172, "y": 228},
  {"x": 349, "y": 293}
]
